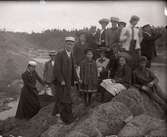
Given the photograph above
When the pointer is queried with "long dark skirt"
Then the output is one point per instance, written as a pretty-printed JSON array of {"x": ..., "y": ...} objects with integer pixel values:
[{"x": 29, "y": 104}]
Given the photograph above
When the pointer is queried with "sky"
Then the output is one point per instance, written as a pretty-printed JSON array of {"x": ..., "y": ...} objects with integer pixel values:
[{"x": 39, "y": 16}]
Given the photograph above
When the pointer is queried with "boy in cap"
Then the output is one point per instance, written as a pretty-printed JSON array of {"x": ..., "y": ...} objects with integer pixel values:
[
  {"x": 64, "y": 78},
  {"x": 48, "y": 76}
]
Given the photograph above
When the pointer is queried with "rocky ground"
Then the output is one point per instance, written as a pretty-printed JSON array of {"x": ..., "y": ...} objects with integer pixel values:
[{"x": 131, "y": 113}]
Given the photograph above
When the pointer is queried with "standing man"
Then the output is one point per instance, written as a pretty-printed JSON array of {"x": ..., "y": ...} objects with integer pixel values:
[
  {"x": 64, "y": 77},
  {"x": 112, "y": 42},
  {"x": 148, "y": 43},
  {"x": 91, "y": 38},
  {"x": 48, "y": 76},
  {"x": 103, "y": 32},
  {"x": 131, "y": 39},
  {"x": 112, "y": 37},
  {"x": 121, "y": 25}
]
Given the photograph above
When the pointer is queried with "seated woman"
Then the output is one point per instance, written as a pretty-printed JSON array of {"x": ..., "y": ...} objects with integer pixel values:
[
  {"x": 145, "y": 80},
  {"x": 122, "y": 78},
  {"x": 29, "y": 104},
  {"x": 102, "y": 65}
]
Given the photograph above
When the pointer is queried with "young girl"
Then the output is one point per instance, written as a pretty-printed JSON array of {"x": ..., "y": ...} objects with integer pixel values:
[{"x": 88, "y": 76}]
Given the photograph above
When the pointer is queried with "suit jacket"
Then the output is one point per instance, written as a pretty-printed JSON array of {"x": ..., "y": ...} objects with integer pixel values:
[
  {"x": 147, "y": 44},
  {"x": 92, "y": 40},
  {"x": 48, "y": 72},
  {"x": 103, "y": 37},
  {"x": 112, "y": 37},
  {"x": 64, "y": 71}
]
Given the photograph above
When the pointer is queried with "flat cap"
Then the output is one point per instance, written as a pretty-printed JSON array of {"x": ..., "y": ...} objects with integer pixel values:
[
  {"x": 104, "y": 20},
  {"x": 52, "y": 52},
  {"x": 147, "y": 25},
  {"x": 32, "y": 63},
  {"x": 70, "y": 39},
  {"x": 114, "y": 19},
  {"x": 134, "y": 17}
]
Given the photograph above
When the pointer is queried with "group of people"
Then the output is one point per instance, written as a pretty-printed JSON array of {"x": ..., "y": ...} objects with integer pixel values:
[{"x": 105, "y": 61}]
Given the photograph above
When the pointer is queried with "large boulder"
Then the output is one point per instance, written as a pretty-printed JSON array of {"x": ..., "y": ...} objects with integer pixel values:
[
  {"x": 132, "y": 99},
  {"x": 103, "y": 120},
  {"x": 38, "y": 124},
  {"x": 139, "y": 103},
  {"x": 144, "y": 125}
]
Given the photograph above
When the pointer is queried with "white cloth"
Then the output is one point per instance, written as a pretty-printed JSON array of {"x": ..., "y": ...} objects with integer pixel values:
[
  {"x": 78, "y": 71},
  {"x": 113, "y": 88},
  {"x": 101, "y": 65},
  {"x": 46, "y": 91},
  {"x": 52, "y": 63},
  {"x": 126, "y": 37}
]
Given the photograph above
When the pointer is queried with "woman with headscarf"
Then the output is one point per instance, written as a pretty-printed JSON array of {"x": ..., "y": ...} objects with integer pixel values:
[{"x": 29, "y": 104}]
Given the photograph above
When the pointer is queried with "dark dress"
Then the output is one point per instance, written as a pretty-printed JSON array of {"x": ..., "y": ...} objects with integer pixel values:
[
  {"x": 148, "y": 46},
  {"x": 142, "y": 78},
  {"x": 29, "y": 104},
  {"x": 123, "y": 75},
  {"x": 88, "y": 74},
  {"x": 64, "y": 71}
]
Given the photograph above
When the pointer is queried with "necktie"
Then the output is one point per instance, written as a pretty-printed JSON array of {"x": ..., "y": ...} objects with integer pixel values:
[{"x": 132, "y": 33}]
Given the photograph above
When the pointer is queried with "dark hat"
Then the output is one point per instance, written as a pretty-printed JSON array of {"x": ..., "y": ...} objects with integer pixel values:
[
  {"x": 142, "y": 59},
  {"x": 147, "y": 25},
  {"x": 52, "y": 53},
  {"x": 88, "y": 49},
  {"x": 102, "y": 49},
  {"x": 122, "y": 23}
]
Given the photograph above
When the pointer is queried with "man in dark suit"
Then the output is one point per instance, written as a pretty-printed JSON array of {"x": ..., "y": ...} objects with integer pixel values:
[
  {"x": 64, "y": 78},
  {"x": 91, "y": 38},
  {"x": 103, "y": 32},
  {"x": 148, "y": 43}
]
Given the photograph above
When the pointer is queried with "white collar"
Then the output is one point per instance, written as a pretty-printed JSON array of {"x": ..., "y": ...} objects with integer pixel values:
[{"x": 68, "y": 53}]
